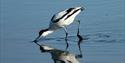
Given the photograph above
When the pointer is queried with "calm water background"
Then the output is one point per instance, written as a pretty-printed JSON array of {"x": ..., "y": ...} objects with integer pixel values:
[{"x": 103, "y": 22}]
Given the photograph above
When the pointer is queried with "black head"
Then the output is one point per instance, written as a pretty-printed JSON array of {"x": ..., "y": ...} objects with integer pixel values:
[{"x": 41, "y": 31}]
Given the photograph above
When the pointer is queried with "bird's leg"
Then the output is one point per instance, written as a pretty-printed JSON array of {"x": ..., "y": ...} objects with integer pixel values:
[
  {"x": 67, "y": 45},
  {"x": 78, "y": 35},
  {"x": 79, "y": 46},
  {"x": 80, "y": 40},
  {"x": 78, "y": 32}
]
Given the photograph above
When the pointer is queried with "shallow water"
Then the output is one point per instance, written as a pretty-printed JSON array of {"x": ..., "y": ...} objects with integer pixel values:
[{"x": 103, "y": 23}]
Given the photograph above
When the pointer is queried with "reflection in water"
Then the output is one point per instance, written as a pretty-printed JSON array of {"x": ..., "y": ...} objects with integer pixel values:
[{"x": 60, "y": 56}]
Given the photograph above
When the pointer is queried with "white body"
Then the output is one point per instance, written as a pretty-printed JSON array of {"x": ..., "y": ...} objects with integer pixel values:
[{"x": 62, "y": 19}]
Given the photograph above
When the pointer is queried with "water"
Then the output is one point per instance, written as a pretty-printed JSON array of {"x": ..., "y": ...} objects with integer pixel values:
[{"x": 103, "y": 23}]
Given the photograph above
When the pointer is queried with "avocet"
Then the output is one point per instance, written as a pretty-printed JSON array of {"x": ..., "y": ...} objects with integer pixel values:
[{"x": 60, "y": 20}]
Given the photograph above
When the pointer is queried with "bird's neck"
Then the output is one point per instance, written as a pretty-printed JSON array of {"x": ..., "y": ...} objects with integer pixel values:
[{"x": 47, "y": 33}]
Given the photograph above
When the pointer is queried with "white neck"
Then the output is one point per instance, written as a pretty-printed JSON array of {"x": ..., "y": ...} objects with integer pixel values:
[{"x": 47, "y": 33}]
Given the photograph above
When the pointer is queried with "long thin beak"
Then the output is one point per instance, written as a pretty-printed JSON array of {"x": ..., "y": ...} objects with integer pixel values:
[
  {"x": 36, "y": 40},
  {"x": 37, "y": 44}
]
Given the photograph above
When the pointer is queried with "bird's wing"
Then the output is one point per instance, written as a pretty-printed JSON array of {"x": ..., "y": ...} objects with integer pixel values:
[
  {"x": 64, "y": 14},
  {"x": 58, "y": 16}
]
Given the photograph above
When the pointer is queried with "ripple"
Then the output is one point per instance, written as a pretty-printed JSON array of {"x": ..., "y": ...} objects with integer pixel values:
[{"x": 97, "y": 37}]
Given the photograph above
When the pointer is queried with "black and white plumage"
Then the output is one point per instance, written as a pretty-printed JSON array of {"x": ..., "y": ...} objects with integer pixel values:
[
  {"x": 60, "y": 20},
  {"x": 60, "y": 56}
]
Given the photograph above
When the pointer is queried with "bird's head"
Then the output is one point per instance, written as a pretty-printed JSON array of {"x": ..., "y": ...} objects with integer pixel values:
[{"x": 43, "y": 33}]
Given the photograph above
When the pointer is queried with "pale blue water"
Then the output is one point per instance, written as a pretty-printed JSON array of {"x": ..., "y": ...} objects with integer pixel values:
[{"x": 103, "y": 22}]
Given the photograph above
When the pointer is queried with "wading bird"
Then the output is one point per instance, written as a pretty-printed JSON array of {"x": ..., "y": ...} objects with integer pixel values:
[{"x": 60, "y": 20}]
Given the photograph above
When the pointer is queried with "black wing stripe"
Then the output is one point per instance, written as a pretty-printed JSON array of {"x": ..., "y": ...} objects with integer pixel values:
[
  {"x": 71, "y": 14},
  {"x": 59, "y": 18},
  {"x": 68, "y": 11}
]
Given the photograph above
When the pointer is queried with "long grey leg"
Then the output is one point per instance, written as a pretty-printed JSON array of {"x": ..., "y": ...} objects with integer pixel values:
[
  {"x": 78, "y": 34},
  {"x": 80, "y": 40},
  {"x": 65, "y": 29},
  {"x": 79, "y": 46}
]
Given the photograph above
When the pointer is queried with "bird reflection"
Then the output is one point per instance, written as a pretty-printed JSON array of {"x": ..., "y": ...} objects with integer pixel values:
[{"x": 61, "y": 56}]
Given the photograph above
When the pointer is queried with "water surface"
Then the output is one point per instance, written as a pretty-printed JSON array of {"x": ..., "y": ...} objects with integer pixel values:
[{"x": 103, "y": 23}]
